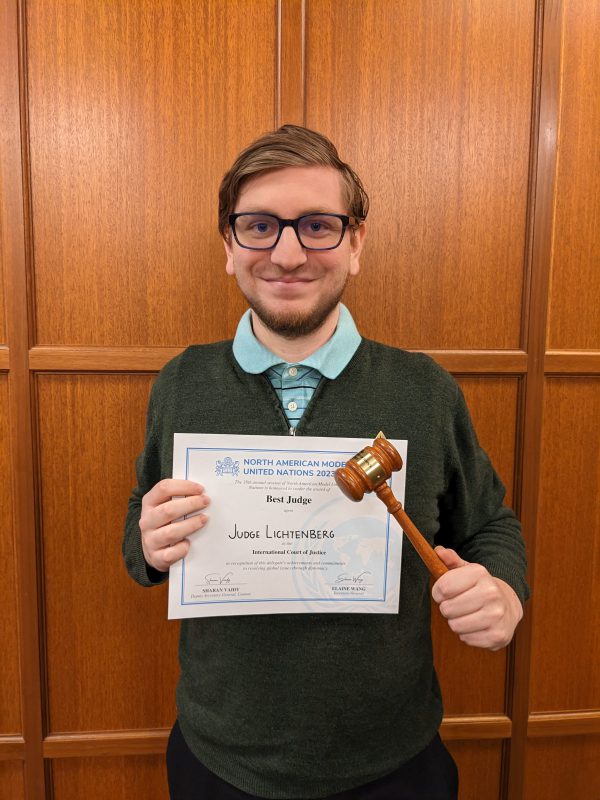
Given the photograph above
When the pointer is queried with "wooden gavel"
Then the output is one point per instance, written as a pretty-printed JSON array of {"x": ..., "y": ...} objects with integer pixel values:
[{"x": 368, "y": 471}]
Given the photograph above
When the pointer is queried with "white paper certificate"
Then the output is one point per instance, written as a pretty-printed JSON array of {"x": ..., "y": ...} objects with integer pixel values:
[{"x": 281, "y": 537}]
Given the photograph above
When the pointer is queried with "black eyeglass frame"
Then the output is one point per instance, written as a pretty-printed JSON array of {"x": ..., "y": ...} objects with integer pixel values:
[{"x": 293, "y": 223}]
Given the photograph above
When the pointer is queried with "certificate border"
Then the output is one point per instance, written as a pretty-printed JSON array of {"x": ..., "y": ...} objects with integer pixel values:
[{"x": 338, "y": 599}]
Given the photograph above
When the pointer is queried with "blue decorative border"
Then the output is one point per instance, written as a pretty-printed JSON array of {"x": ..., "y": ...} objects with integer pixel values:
[{"x": 341, "y": 599}]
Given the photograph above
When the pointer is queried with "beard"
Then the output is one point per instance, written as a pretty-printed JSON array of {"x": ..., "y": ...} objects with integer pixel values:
[{"x": 291, "y": 325}]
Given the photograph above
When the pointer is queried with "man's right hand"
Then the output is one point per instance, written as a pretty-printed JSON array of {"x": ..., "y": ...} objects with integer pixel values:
[{"x": 164, "y": 540}]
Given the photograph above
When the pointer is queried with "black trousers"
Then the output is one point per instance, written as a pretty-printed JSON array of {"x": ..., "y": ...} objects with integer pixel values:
[{"x": 430, "y": 775}]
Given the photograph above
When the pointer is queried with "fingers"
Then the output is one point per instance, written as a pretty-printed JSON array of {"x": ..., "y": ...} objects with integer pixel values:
[
  {"x": 458, "y": 580},
  {"x": 165, "y": 546},
  {"x": 482, "y": 617},
  {"x": 482, "y": 610},
  {"x": 169, "y": 555},
  {"x": 461, "y": 605},
  {"x": 170, "y": 487},
  {"x": 492, "y": 637},
  {"x": 154, "y": 517},
  {"x": 166, "y": 521},
  {"x": 486, "y": 639},
  {"x": 488, "y": 627},
  {"x": 169, "y": 535},
  {"x": 450, "y": 557}
]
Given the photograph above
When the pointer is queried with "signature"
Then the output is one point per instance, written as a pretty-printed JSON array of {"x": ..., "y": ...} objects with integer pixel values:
[
  {"x": 213, "y": 578},
  {"x": 359, "y": 578}
]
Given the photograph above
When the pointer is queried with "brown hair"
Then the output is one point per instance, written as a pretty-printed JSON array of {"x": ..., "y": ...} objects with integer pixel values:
[{"x": 289, "y": 146}]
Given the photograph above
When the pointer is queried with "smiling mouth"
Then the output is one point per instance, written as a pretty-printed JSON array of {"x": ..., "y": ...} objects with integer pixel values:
[{"x": 288, "y": 279}]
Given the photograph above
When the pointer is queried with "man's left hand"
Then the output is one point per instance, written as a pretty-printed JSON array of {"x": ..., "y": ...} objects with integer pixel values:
[{"x": 482, "y": 610}]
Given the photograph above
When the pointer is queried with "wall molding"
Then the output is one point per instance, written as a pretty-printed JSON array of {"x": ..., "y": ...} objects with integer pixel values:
[
  {"x": 70, "y": 358},
  {"x": 12, "y": 748},
  {"x": 100, "y": 359},
  {"x": 154, "y": 740},
  {"x": 479, "y": 726},
  {"x": 563, "y": 723},
  {"x": 110, "y": 743},
  {"x": 572, "y": 362}
]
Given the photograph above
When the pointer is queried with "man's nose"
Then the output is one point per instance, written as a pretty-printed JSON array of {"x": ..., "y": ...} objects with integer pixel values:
[{"x": 288, "y": 253}]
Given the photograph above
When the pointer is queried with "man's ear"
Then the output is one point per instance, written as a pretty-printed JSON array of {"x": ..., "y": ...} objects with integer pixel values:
[
  {"x": 357, "y": 240},
  {"x": 229, "y": 268}
]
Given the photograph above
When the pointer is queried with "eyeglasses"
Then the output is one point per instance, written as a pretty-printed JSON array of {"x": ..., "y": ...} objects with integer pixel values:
[{"x": 314, "y": 231}]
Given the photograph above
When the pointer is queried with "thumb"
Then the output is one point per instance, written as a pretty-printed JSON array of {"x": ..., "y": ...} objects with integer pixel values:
[{"x": 450, "y": 557}]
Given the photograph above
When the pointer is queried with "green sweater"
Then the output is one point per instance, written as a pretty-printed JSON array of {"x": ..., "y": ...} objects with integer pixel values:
[{"x": 307, "y": 705}]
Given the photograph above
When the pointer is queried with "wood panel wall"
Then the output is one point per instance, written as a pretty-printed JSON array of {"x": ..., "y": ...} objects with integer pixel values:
[{"x": 475, "y": 125}]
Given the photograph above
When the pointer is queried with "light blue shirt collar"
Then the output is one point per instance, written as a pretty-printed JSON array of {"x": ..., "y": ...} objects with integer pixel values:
[{"x": 330, "y": 359}]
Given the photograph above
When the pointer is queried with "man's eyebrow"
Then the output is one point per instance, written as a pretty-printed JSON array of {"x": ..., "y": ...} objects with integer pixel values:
[{"x": 273, "y": 214}]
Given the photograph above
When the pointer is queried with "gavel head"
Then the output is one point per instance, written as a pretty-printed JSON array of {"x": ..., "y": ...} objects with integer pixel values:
[{"x": 368, "y": 469}]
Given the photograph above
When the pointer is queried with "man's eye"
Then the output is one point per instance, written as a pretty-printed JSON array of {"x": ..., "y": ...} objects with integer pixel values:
[
  {"x": 258, "y": 227},
  {"x": 316, "y": 226}
]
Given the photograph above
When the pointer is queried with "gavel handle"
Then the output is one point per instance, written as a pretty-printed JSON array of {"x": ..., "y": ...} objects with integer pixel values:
[{"x": 432, "y": 561}]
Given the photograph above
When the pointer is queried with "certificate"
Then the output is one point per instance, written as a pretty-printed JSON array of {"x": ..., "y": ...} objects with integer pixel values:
[{"x": 281, "y": 537}]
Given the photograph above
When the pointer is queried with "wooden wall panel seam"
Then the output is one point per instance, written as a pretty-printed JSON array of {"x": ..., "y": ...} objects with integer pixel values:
[
  {"x": 13, "y": 168},
  {"x": 4, "y": 359},
  {"x": 28, "y": 240},
  {"x": 291, "y": 62},
  {"x": 513, "y": 677},
  {"x": 534, "y": 318},
  {"x": 278, "y": 58},
  {"x": 511, "y": 755}
]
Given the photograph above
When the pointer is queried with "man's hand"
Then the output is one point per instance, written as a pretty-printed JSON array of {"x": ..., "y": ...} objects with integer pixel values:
[
  {"x": 482, "y": 610},
  {"x": 163, "y": 540}
]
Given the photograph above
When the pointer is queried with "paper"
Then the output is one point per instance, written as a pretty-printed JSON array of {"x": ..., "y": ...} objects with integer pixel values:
[{"x": 281, "y": 537}]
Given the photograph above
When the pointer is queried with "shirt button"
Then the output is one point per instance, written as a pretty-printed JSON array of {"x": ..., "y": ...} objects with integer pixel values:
[
  {"x": 292, "y": 406},
  {"x": 293, "y": 371}
]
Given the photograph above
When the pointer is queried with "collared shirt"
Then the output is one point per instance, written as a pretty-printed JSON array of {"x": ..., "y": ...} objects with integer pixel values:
[{"x": 295, "y": 383}]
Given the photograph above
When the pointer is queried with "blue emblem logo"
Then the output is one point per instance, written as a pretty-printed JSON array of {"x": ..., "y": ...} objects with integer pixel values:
[{"x": 227, "y": 467}]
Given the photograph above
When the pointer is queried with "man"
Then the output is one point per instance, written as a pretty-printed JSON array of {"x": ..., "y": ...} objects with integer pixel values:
[{"x": 319, "y": 705}]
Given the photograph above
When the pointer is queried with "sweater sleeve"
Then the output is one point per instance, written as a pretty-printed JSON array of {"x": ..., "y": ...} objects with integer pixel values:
[
  {"x": 474, "y": 520},
  {"x": 148, "y": 471}
]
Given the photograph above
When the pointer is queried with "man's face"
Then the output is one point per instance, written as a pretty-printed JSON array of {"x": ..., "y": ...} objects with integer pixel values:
[{"x": 294, "y": 291}]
